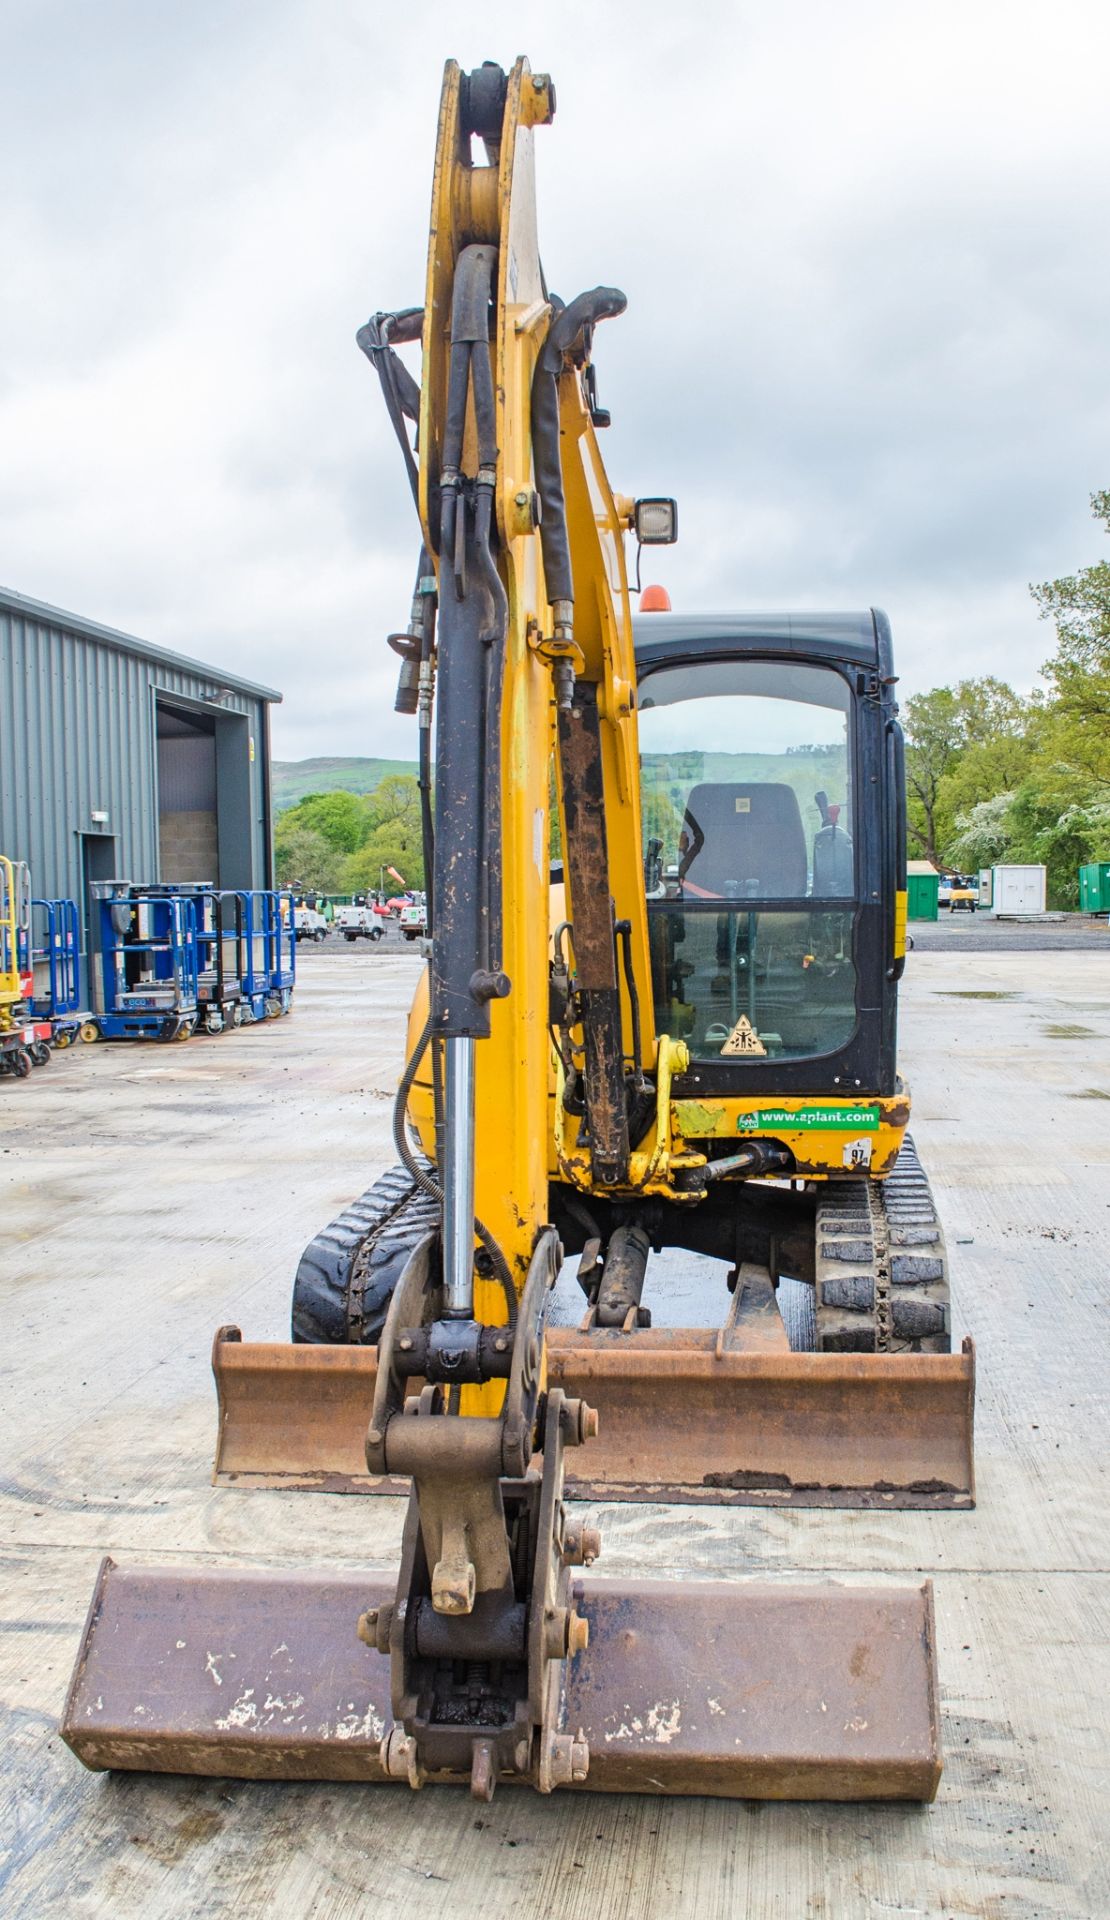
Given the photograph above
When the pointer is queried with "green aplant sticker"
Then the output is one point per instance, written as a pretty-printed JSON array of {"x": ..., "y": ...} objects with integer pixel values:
[{"x": 809, "y": 1119}]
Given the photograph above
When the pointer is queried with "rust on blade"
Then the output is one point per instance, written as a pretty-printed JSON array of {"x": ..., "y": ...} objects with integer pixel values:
[
  {"x": 295, "y": 1416},
  {"x": 755, "y": 1691},
  {"x": 740, "y": 1425},
  {"x": 810, "y": 1429}
]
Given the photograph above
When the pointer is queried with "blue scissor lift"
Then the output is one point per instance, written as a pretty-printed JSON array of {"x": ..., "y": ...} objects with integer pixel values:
[
  {"x": 148, "y": 961},
  {"x": 220, "y": 938},
  {"x": 55, "y": 957},
  {"x": 219, "y": 922},
  {"x": 268, "y": 953}
]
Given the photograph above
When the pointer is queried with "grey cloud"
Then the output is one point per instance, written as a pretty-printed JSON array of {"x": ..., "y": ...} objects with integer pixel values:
[{"x": 868, "y": 305}]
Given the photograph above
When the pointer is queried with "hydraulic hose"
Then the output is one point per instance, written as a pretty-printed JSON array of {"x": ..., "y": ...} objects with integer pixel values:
[
  {"x": 399, "y": 389},
  {"x": 582, "y": 315},
  {"x": 623, "y": 931},
  {"x": 427, "y": 827},
  {"x": 469, "y": 372},
  {"x": 425, "y": 589},
  {"x": 481, "y": 377},
  {"x": 495, "y": 628},
  {"x": 458, "y": 380}
]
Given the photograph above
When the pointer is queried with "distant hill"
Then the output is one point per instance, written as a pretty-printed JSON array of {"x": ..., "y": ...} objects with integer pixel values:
[
  {"x": 806, "y": 770},
  {"x": 292, "y": 779},
  {"x": 673, "y": 774}
]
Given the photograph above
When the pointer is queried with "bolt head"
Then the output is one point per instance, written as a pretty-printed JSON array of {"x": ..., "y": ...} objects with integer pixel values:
[
  {"x": 568, "y": 1759},
  {"x": 398, "y": 1757}
]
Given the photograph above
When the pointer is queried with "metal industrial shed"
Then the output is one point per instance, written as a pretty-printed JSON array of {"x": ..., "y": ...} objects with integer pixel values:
[{"x": 122, "y": 760}]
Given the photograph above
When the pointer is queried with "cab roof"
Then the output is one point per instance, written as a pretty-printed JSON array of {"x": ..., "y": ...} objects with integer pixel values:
[{"x": 835, "y": 636}]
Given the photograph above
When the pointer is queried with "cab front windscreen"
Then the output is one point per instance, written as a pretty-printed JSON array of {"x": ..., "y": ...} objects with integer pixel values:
[{"x": 749, "y": 861}]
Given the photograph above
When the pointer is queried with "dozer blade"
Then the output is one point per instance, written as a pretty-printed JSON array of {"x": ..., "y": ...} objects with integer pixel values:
[
  {"x": 682, "y": 1418},
  {"x": 748, "y": 1691}
]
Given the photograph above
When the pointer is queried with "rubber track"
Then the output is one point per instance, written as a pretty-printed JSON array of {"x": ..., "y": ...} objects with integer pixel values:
[
  {"x": 348, "y": 1272},
  {"x": 881, "y": 1270}
]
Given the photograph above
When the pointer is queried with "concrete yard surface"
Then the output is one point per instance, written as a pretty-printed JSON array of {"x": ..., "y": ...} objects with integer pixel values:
[{"x": 152, "y": 1192}]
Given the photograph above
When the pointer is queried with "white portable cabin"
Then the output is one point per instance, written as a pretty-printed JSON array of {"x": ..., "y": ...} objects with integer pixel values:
[{"x": 1005, "y": 890}]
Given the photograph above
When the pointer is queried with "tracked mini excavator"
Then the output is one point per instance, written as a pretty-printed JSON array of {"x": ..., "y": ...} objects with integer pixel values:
[{"x": 686, "y": 1043}]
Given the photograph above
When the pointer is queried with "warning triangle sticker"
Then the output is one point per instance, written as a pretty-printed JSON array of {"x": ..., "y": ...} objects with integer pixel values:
[{"x": 743, "y": 1038}]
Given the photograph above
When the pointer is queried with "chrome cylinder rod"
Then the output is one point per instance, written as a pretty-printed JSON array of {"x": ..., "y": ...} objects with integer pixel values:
[{"x": 458, "y": 1178}]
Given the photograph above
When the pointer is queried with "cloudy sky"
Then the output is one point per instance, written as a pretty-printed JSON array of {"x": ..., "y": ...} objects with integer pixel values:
[{"x": 864, "y": 247}]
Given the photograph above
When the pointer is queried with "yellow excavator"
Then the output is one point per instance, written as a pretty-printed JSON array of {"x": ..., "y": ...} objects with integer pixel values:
[{"x": 679, "y": 1042}]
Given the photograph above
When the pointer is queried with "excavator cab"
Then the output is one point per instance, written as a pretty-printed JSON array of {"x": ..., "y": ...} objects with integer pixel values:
[{"x": 762, "y": 912}]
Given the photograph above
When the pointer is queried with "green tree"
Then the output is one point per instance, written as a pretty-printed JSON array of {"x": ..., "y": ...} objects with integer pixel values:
[
  {"x": 942, "y": 726},
  {"x": 982, "y": 772},
  {"x": 662, "y": 820},
  {"x": 342, "y": 819},
  {"x": 1079, "y": 603},
  {"x": 304, "y": 859},
  {"x": 1061, "y": 841},
  {"x": 984, "y": 834},
  {"x": 395, "y": 801},
  {"x": 1029, "y": 825},
  {"x": 1079, "y": 672},
  {"x": 1062, "y": 810},
  {"x": 394, "y": 836}
]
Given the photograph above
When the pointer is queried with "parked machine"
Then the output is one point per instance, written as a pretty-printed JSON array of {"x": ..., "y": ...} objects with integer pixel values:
[
  {"x": 309, "y": 924},
  {"x": 360, "y": 921},
  {"x": 55, "y": 954},
  {"x": 149, "y": 961},
  {"x": 268, "y": 954},
  {"x": 25, "y": 1036},
  {"x": 181, "y": 957},
  {"x": 413, "y": 920},
  {"x": 959, "y": 892},
  {"x": 220, "y": 934},
  {"x": 688, "y": 1043}
]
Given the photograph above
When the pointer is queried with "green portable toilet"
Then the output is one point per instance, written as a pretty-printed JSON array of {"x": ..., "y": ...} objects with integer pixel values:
[
  {"x": 1094, "y": 888},
  {"x": 922, "y": 889}
]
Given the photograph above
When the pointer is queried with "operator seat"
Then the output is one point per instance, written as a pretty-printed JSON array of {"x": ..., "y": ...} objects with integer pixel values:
[{"x": 746, "y": 841}]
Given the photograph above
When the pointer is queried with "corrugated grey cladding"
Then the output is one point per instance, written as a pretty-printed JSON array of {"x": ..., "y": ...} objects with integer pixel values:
[{"x": 77, "y": 735}]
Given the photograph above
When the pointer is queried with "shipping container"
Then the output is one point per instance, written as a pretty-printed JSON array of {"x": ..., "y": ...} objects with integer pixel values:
[
  {"x": 923, "y": 893},
  {"x": 1012, "y": 889},
  {"x": 1094, "y": 888}
]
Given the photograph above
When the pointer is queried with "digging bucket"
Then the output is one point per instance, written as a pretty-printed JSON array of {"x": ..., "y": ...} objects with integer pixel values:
[{"x": 753, "y": 1691}]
